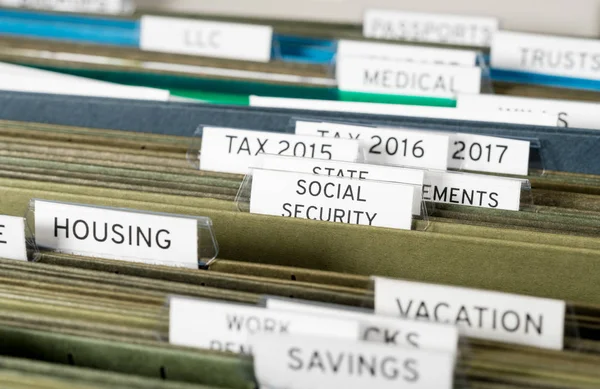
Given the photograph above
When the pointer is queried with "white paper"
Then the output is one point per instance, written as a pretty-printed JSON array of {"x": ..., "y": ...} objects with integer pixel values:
[
  {"x": 385, "y": 146},
  {"x": 546, "y": 54},
  {"x": 480, "y": 314},
  {"x": 206, "y": 38},
  {"x": 382, "y": 329},
  {"x": 573, "y": 114},
  {"x": 390, "y": 51},
  {"x": 12, "y": 238},
  {"x": 405, "y": 78},
  {"x": 429, "y": 27},
  {"x": 79, "y": 6},
  {"x": 226, "y": 326},
  {"x": 341, "y": 200},
  {"x": 117, "y": 234},
  {"x": 359, "y": 171},
  {"x": 234, "y": 151},
  {"x": 473, "y": 190},
  {"x": 301, "y": 362},
  {"x": 488, "y": 154},
  {"x": 538, "y": 119}
]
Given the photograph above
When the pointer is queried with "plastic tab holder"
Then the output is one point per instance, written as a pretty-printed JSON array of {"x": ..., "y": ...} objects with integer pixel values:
[{"x": 121, "y": 234}]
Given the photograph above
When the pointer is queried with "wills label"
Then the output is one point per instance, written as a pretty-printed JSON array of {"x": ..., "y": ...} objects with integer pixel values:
[
  {"x": 481, "y": 314},
  {"x": 245, "y": 42}
]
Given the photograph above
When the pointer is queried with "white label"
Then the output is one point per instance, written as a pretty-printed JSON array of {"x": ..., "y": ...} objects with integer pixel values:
[
  {"x": 405, "y": 110},
  {"x": 554, "y": 55},
  {"x": 426, "y": 27},
  {"x": 481, "y": 314},
  {"x": 227, "y": 326},
  {"x": 573, "y": 114},
  {"x": 341, "y": 200},
  {"x": 488, "y": 154},
  {"x": 116, "y": 234},
  {"x": 375, "y": 328},
  {"x": 301, "y": 362},
  {"x": 405, "y": 78},
  {"x": 472, "y": 190},
  {"x": 407, "y": 53},
  {"x": 12, "y": 238},
  {"x": 235, "y": 151},
  {"x": 80, "y": 6},
  {"x": 388, "y": 146},
  {"x": 210, "y": 39},
  {"x": 359, "y": 171}
]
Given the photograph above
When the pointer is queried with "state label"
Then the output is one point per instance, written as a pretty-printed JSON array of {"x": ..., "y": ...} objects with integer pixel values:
[
  {"x": 229, "y": 150},
  {"x": 381, "y": 329},
  {"x": 79, "y": 6},
  {"x": 405, "y": 78},
  {"x": 553, "y": 55},
  {"x": 573, "y": 114},
  {"x": 114, "y": 233},
  {"x": 488, "y": 154},
  {"x": 12, "y": 238},
  {"x": 480, "y": 314},
  {"x": 245, "y": 42},
  {"x": 409, "y": 53},
  {"x": 386, "y": 146},
  {"x": 457, "y": 30},
  {"x": 534, "y": 119},
  {"x": 226, "y": 326},
  {"x": 341, "y": 200},
  {"x": 473, "y": 190},
  {"x": 300, "y": 362},
  {"x": 359, "y": 171}
]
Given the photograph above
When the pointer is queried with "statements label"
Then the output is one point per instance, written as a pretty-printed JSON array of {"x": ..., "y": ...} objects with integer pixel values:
[
  {"x": 481, "y": 314},
  {"x": 79, "y": 6},
  {"x": 325, "y": 198},
  {"x": 405, "y": 78},
  {"x": 574, "y": 114},
  {"x": 554, "y": 55},
  {"x": 359, "y": 171},
  {"x": 488, "y": 154},
  {"x": 205, "y": 38},
  {"x": 376, "y": 328},
  {"x": 473, "y": 190},
  {"x": 226, "y": 326},
  {"x": 426, "y": 27},
  {"x": 300, "y": 362},
  {"x": 12, "y": 238},
  {"x": 235, "y": 151},
  {"x": 383, "y": 146},
  {"x": 409, "y": 53},
  {"x": 116, "y": 234}
]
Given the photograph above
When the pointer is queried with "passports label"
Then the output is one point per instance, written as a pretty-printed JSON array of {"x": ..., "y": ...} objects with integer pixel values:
[
  {"x": 488, "y": 154},
  {"x": 340, "y": 200},
  {"x": 359, "y": 171},
  {"x": 80, "y": 6},
  {"x": 383, "y": 146},
  {"x": 473, "y": 190},
  {"x": 427, "y": 27},
  {"x": 405, "y": 78},
  {"x": 235, "y": 151},
  {"x": 205, "y": 38},
  {"x": 226, "y": 326},
  {"x": 12, "y": 238},
  {"x": 479, "y": 314},
  {"x": 376, "y": 328},
  {"x": 554, "y": 55},
  {"x": 300, "y": 362},
  {"x": 408, "y": 53},
  {"x": 574, "y": 114},
  {"x": 117, "y": 234}
]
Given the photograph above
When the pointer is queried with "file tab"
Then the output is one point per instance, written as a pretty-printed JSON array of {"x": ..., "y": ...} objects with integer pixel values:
[{"x": 13, "y": 238}]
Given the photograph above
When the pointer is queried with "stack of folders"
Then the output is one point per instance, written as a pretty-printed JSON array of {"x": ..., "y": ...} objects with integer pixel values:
[{"x": 241, "y": 195}]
